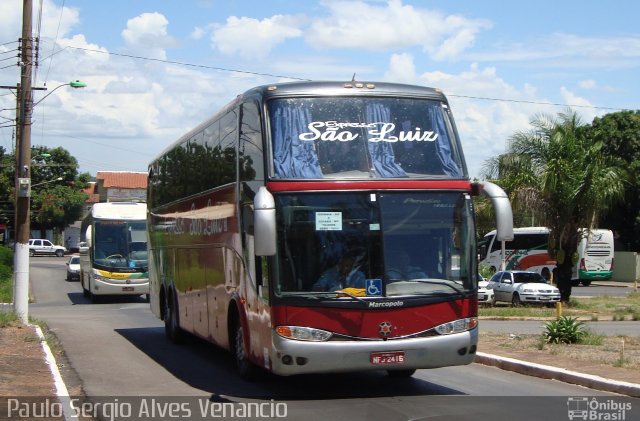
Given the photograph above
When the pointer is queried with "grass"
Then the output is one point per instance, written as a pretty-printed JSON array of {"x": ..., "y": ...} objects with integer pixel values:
[
  {"x": 6, "y": 273},
  {"x": 593, "y": 308},
  {"x": 7, "y": 318},
  {"x": 6, "y": 290}
]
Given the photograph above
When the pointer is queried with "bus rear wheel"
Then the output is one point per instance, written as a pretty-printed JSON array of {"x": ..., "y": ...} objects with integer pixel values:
[{"x": 171, "y": 326}]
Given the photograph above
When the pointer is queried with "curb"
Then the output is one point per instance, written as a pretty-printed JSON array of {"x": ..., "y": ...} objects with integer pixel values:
[
  {"x": 61, "y": 388},
  {"x": 561, "y": 374}
]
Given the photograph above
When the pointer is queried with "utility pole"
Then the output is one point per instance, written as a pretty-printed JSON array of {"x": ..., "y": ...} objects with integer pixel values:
[{"x": 23, "y": 170}]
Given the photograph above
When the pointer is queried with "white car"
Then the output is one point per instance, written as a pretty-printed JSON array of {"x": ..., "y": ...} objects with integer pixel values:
[
  {"x": 485, "y": 292},
  {"x": 42, "y": 246},
  {"x": 73, "y": 268},
  {"x": 521, "y": 287}
]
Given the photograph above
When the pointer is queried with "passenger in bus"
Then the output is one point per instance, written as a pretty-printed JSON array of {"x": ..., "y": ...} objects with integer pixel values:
[
  {"x": 401, "y": 268},
  {"x": 345, "y": 274}
]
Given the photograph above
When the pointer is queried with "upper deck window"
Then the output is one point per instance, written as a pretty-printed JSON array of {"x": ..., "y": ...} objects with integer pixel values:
[{"x": 363, "y": 138}]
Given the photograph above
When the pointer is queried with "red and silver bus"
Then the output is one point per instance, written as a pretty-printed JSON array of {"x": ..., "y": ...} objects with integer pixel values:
[{"x": 250, "y": 212}]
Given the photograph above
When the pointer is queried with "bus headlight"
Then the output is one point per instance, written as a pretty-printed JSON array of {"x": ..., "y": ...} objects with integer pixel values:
[
  {"x": 303, "y": 333},
  {"x": 457, "y": 326}
]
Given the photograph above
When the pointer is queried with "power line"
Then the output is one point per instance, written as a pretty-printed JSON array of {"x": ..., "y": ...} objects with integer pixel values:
[
  {"x": 522, "y": 101},
  {"x": 201, "y": 66},
  {"x": 55, "y": 42},
  {"x": 7, "y": 43}
]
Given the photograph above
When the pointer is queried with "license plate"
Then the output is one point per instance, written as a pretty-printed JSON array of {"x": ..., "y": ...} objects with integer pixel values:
[
  {"x": 393, "y": 357},
  {"x": 127, "y": 288}
]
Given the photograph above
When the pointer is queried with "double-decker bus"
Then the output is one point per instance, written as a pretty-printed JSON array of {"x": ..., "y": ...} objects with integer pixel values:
[
  {"x": 113, "y": 250},
  {"x": 251, "y": 212},
  {"x": 529, "y": 251},
  {"x": 595, "y": 256}
]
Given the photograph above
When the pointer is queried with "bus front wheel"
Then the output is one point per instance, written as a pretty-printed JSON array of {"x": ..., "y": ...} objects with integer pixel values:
[
  {"x": 245, "y": 368},
  {"x": 401, "y": 373}
]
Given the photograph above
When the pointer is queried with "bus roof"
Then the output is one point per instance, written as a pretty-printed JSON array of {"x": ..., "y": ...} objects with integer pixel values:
[
  {"x": 316, "y": 88},
  {"x": 119, "y": 210},
  {"x": 523, "y": 230}
]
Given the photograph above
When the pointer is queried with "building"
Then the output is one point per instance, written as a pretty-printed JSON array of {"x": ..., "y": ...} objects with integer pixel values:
[
  {"x": 121, "y": 186},
  {"x": 110, "y": 186}
]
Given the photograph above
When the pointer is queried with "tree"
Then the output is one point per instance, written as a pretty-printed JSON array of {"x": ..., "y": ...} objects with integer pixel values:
[
  {"x": 54, "y": 203},
  {"x": 564, "y": 177},
  {"x": 619, "y": 134}
]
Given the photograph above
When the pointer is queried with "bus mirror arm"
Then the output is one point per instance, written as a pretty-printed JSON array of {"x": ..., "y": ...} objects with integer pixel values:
[
  {"x": 502, "y": 208},
  {"x": 264, "y": 230}
]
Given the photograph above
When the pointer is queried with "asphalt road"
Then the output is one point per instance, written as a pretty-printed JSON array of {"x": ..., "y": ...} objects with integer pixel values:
[{"x": 118, "y": 350}]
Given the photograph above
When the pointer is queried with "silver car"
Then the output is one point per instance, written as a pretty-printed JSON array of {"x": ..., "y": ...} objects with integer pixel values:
[{"x": 520, "y": 287}]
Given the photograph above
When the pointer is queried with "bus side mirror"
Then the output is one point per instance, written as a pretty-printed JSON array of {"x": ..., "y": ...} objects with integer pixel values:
[
  {"x": 264, "y": 228},
  {"x": 502, "y": 208}
]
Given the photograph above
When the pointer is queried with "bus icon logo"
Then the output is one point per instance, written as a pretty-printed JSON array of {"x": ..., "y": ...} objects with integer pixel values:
[
  {"x": 578, "y": 408},
  {"x": 374, "y": 287}
]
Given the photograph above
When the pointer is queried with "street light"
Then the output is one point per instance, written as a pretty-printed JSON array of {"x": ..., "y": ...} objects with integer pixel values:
[
  {"x": 75, "y": 84},
  {"x": 47, "y": 182}
]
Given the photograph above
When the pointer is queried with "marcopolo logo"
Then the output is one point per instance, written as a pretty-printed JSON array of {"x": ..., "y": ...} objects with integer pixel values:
[{"x": 598, "y": 409}]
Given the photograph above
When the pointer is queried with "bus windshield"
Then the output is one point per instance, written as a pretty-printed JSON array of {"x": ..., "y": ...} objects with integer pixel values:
[
  {"x": 120, "y": 245},
  {"x": 367, "y": 244},
  {"x": 363, "y": 138}
]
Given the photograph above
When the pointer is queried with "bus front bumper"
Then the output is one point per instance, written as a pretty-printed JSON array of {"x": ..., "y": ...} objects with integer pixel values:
[
  {"x": 118, "y": 287},
  {"x": 291, "y": 357}
]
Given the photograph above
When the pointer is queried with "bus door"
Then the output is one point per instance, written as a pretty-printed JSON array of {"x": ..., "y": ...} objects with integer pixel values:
[{"x": 256, "y": 292}]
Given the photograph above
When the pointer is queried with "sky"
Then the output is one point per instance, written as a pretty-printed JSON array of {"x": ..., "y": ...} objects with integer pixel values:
[{"x": 154, "y": 69}]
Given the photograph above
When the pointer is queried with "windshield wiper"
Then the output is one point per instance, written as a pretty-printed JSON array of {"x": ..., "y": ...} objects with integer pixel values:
[
  {"x": 326, "y": 294},
  {"x": 450, "y": 284}
]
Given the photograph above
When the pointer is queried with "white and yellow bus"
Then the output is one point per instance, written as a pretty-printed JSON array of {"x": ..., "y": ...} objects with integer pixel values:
[{"x": 113, "y": 259}]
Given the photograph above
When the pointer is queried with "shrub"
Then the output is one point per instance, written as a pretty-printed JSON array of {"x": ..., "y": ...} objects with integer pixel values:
[
  {"x": 6, "y": 256},
  {"x": 564, "y": 330}
]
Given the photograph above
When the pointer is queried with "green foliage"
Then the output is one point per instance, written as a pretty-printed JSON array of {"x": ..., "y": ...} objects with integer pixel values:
[
  {"x": 485, "y": 271},
  {"x": 557, "y": 176},
  {"x": 6, "y": 274},
  {"x": 54, "y": 204},
  {"x": 619, "y": 134},
  {"x": 564, "y": 330}
]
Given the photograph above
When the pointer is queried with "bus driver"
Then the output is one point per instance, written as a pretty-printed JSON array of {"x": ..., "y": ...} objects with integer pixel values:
[{"x": 342, "y": 275}]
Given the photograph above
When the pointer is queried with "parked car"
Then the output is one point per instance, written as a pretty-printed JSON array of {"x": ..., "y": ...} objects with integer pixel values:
[
  {"x": 485, "y": 291},
  {"x": 41, "y": 246},
  {"x": 522, "y": 287},
  {"x": 73, "y": 268}
]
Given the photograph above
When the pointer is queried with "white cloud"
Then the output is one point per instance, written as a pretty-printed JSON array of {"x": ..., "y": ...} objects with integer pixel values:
[
  {"x": 147, "y": 33},
  {"x": 484, "y": 124},
  {"x": 198, "y": 33},
  {"x": 581, "y": 105},
  {"x": 252, "y": 38},
  {"x": 587, "y": 84},
  {"x": 356, "y": 24}
]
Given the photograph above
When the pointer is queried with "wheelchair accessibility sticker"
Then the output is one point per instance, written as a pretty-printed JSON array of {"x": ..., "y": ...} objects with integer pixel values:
[{"x": 374, "y": 287}]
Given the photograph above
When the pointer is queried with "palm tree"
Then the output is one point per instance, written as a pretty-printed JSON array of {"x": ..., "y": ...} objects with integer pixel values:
[{"x": 561, "y": 177}]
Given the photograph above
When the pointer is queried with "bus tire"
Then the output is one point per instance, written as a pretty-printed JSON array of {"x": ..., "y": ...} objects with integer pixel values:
[
  {"x": 246, "y": 369},
  {"x": 585, "y": 282},
  {"x": 401, "y": 374},
  {"x": 171, "y": 322}
]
